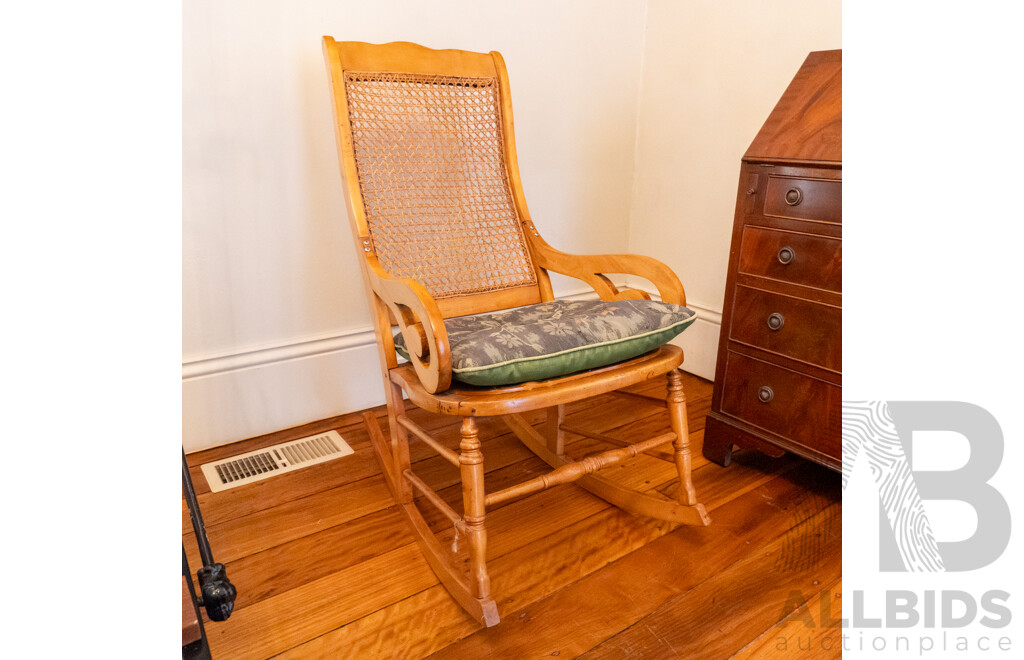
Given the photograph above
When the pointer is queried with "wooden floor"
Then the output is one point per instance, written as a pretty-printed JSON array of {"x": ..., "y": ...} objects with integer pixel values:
[{"x": 325, "y": 567}]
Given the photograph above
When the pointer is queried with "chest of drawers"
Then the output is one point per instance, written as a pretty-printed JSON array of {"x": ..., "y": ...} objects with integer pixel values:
[{"x": 778, "y": 379}]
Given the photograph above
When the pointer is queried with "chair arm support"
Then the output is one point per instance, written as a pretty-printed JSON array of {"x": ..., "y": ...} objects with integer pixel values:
[
  {"x": 589, "y": 268},
  {"x": 421, "y": 324}
]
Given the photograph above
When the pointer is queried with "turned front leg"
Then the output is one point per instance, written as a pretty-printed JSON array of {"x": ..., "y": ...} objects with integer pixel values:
[
  {"x": 681, "y": 445},
  {"x": 471, "y": 465}
]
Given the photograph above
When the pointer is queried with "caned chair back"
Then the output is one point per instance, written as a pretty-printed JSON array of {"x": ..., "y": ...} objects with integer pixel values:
[{"x": 432, "y": 194}]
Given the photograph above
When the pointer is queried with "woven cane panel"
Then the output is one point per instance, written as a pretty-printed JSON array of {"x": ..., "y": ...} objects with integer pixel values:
[{"x": 431, "y": 170}]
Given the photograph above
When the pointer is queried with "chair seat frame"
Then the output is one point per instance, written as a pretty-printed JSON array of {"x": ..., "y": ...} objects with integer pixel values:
[{"x": 426, "y": 379}]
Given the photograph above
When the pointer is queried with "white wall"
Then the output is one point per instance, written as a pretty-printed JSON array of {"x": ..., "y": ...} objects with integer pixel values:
[
  {"x": 631, "y": 118},
  {"x": 274, "y": 318},
  {"x": 712, "y": 73}
]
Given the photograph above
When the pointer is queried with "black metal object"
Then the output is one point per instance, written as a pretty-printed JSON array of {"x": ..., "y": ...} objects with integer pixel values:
[{"x": 218, "y": 594}]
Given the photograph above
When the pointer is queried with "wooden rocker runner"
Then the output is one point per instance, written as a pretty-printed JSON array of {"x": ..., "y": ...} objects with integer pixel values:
[{"x": 451, "y": 257}]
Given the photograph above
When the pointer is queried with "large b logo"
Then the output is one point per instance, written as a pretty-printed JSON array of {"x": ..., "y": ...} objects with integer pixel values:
[{"x": 883, "y": 432}]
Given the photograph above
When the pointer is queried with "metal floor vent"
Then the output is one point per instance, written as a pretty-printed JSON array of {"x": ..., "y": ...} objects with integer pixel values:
[{"x": 272, "y": 461}]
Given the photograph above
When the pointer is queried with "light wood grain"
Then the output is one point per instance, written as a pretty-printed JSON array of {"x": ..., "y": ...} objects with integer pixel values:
[
  {"x": 254, "y": 533},
  {"x": 290, "y": 565},
  {"x": 810, "y": 632},
  {"x": 260, "y": 630},
  {"x": 621, "y": 583},
  {"x": 627, "y": 590},
  {"x": 675, "y": 628}
]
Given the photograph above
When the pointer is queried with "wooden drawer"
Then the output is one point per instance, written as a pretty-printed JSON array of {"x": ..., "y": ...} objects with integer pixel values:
[
  {"x": 800, "y": 329},
  {"x": 795, "y": 257},
  {"x": 797, "y": 407},
  {"x": 804, "y": 199}
]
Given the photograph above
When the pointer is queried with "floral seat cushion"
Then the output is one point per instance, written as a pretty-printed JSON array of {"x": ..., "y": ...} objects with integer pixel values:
[{"x": 553, "y": 339}]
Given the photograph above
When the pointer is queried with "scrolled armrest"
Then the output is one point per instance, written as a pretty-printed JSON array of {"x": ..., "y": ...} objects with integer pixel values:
[
  {"x": 590, "y": 269},
  {"x": 421, "y": 324}
]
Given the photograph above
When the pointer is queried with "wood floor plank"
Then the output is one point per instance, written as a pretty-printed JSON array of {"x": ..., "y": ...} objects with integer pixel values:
[
  {"x": 568, "y": 555},
  {"x": 279, "y": 623},
  {"x": 407, "y": 630},
  {"x": 622, "y": 593},
  {"x": 518, "y": 579},
  {"x": 304, "y": 560},
  {"x": 528, "y": 521},
  {"x": 716, "y": 485},
  {"x": 812, "y": 632},
  {"x": 257, "y": 532},
  {"x": 533, "y": 518},
  {"x": 714, "y": 619}
]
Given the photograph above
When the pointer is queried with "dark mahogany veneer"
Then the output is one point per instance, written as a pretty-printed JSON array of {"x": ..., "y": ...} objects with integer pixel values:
[{"x": 778, "y": 383}]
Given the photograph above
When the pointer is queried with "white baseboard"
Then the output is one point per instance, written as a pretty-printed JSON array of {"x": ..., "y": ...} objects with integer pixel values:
[
  {"x": 226, "y": 398},
  {"x": 220, "y": 407},
  {"x": 700, "y": 344}
]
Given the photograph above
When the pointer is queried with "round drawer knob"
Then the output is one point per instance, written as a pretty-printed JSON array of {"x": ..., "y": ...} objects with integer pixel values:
[
  {"x": 794, "y": 196},
  {"x": 776, "y": 321},
  {"x": 786, "y": 255},
  {"x": 765, "y": 394}
]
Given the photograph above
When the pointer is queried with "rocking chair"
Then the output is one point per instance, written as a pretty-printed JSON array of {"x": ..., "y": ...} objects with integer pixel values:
[{"x": 450, "y": 255}]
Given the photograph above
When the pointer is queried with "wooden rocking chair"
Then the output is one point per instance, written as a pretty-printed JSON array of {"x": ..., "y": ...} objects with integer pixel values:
[{"x": 425, "y": 140}]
